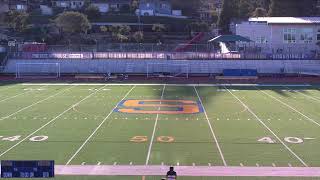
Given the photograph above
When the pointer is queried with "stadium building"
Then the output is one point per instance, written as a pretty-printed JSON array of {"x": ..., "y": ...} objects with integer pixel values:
[{"x": 283, "y": 35}]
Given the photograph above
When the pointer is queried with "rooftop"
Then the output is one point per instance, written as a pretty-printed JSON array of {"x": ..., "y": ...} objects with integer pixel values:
[{"x": 287, "y": 20}]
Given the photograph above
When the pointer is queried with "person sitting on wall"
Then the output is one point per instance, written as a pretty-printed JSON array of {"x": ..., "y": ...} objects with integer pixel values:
[{"x": 171, "y": 174}]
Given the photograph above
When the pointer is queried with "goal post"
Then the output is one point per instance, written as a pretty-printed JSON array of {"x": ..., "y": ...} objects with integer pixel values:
[
  {"x": 37, "y": 70},
  {"x": 170, "y": 69}
]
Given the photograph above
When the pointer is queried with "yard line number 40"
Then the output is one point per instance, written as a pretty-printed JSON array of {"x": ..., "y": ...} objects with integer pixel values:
[
  {"x": 292, "y": 140},
  {"x": 17, "y": 138}
]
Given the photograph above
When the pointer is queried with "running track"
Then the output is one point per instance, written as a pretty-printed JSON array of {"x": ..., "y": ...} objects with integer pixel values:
[{"x": 100, "y": 170}]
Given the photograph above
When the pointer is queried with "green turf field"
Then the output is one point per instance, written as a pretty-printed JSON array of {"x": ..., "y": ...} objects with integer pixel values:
[{"x": 235, "y": 126}]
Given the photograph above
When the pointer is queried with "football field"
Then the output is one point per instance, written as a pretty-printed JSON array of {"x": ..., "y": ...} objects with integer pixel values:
[{"x": 132, "y": 125}]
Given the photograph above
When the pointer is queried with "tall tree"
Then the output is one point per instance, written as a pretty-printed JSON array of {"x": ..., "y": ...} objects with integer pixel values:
[
  {"x": 246, "y": 7},
  {"x": 291, "y": 8},
  {"x": 17, "y": 20},
  {"x": 73, "y": 22},
  {"x": 228, "y": 12}
]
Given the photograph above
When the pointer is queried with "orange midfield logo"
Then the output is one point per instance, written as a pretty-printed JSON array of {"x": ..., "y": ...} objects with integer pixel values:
[{"x": 159, "y": 107}]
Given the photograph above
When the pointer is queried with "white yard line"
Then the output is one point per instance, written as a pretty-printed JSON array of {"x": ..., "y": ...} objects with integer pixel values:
[
  {"x": 292, "y": 108},
  {"x": 11, "y": 97},
  {"x": 154, "y": 129},
  {"x": 52, "y": 120},
  {"x": 160, "y": 84},
  {"x": 22, "y": 109},
  {"x": 274, "y": 134},
  {"x": 308, "y": 96},
  {"x": 6, "y": 88},
  {"x": 211, "y": 129},
  {"x": 98, "y": 127}
]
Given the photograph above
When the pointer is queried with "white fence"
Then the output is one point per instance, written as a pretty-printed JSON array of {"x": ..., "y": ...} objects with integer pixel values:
[{"x": 195, "y": 67}]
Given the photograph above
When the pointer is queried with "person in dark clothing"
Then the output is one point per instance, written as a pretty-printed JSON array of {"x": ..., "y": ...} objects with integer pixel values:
[{"x": 171, "y": 174}]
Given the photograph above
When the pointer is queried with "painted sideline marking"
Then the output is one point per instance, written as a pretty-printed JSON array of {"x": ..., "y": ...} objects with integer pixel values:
[
  {"x": 292, "y": 108},
  {"x": 211, "y": 129},
  {"x": 279, "y": 139},
  {"x": 154, "y": 128},
  {"x": 98, "y": 127},
  {"x": 130, "y": 84},
  {"x": 22, "y": 109},
  {"x": 52, "y": 120}
]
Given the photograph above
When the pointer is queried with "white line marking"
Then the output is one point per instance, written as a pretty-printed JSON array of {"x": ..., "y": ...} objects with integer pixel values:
[
  {"x": 292, "y": 108},
  {"x": 130, "y": 163},
  {"x": 115, "y": 163},
  {"x": 183, "y": 85},
  {"x": 98, "y": 127},
  {"x": 307, "y": 138},
  {"x": 241, "y": 164},
  {"x": 154, "y": 128},
  {"x": 83, "y": 163},
  {"x": 99, "y": 163},
  {"x": 211, "y": 129},
  {"x": 11, "y": 97},
  {"x": 279, "y": 139},
  {"x": 257, "y": 165},
  {"x": 22, "y": 109},
  {"x": 46, "y": 124},
  {"x": 308, "y": 96},
  {"x": 273, "y": 164}
]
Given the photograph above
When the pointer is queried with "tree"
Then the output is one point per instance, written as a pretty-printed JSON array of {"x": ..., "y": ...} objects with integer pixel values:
[
  {"x": 104, "y": 29},
  {"x": 120, "y": 32},
  {"x": 158, "y": 28},
  {"x": 228, "y": 12},
  {"x": 260, "y": 12},
  {"x": 92, "y": 12},
  {"x": 284, "y": 8},
  {"x": 245, "y": 9},
  {"x": 72, "y": 22},
  {"x": 17, "y": 20},
  {"x": 138, "y": 36}
]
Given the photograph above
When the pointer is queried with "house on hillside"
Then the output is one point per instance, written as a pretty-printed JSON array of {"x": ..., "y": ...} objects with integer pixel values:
[
  {"x": 111, "y": 5},
  {"x": 68, "y": 4},
  {"x": 207, "y": 7},
  {"x": 283, "y": 35},
  {"x": 18, "y": 5},
  {"x": 157, "y": 8}
]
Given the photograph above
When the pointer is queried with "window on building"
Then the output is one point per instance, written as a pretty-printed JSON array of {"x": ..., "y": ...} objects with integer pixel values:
[
  {"x": 20, "y": 7},
  {"x": 306, "y": 35},
  {"x": 261, "y": 40},
  {"x": 289, "y": 35},
  {"x": 318, "y": 35}
]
